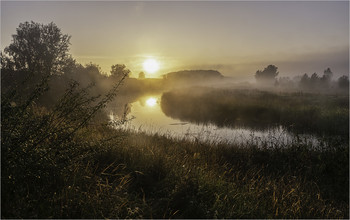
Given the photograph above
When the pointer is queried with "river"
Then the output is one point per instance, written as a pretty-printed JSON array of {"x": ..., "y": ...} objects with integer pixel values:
[{"x": 145, "y": 114}]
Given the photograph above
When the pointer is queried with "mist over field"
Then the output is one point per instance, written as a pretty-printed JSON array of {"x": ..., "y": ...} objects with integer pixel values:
[{"x": 175, "y": 110}]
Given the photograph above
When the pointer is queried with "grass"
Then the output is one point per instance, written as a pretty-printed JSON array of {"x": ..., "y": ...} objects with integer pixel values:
[
  {"x": 105, "y": 173},
  {"x": 57, "y": 164}
]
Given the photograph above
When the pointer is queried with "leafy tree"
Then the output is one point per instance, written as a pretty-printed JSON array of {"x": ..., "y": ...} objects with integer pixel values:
[
  {"x": 5, "y": 62},
  {"x": 267, "y": 75},
  {"x": 314, "y": 80},
  {"x": 326, "y": 78},
  {"x": 38, "y": 48},
  {"x": 285, "y": 82},
  {"x": 305, "y": 81},
  {"x": 90, "y": 74},
  {"x": 93, "y": 69},
  {"x": 343, "y": 82},
  {"x": 141, "y": 75},
  {"x": 327, "y": 74},
  {"x": 119, "y": 71},
  {"x": 314, "y": 77}
]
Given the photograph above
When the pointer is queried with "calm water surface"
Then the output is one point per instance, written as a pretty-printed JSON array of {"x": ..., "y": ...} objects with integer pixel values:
[{"x": 146, "y": 115}]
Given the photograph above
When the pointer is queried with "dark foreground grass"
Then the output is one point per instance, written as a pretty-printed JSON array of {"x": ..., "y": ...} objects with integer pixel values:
[{"x": 104, "y": 173}]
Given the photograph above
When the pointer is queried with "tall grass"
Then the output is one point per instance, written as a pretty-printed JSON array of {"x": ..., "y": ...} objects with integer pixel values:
[{"x": 114, "y": 174}]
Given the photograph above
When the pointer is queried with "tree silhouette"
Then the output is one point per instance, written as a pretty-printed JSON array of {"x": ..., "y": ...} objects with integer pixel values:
[
  {"x": 267, "y": 75},
  {"x": 118, "y": 71},
  {"x": 314, "y": 80},
  {"x": 93, "y": 69},
  {"x": 327, "y": 74},
  {"x": 38, "y": 48},
  {"x": 305, "y": 81},
  {"x": 343, "y": 82},
  {"x": 285, "y": 82},
  {"x": 141, "y": 75},
  {"x": 326, "y": 78}
]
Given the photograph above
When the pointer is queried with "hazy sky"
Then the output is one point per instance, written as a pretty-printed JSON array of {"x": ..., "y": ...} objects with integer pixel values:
[{"x": 236, "y": 38}]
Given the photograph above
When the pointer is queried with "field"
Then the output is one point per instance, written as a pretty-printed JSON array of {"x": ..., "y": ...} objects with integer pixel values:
[{"x": 61, "y": 163}]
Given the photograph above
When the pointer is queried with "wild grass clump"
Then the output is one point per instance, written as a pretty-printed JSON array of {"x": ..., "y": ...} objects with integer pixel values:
[{"x": 282, "y": 183}]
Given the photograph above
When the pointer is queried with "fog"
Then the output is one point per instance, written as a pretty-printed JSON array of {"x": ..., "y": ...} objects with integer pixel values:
[
  {"x": 194, "y": 141},
  {"x": 253, "y": 95}
]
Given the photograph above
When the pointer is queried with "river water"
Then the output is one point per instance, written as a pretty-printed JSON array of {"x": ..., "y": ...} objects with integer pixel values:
[{"x": 145, "y": 114}]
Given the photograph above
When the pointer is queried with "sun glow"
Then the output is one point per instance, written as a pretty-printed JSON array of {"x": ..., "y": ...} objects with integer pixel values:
[
  {"x": 151, "y": 102},
  {"x": 151, "y": 65}
]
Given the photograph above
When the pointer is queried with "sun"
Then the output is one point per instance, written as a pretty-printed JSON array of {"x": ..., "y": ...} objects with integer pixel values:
[
  {"x": 151, "y": 102},
  {"x": 151, "y": 65}
]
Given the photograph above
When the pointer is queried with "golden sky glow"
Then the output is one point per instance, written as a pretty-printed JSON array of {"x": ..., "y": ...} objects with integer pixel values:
[{"x": 233, "y": 37}]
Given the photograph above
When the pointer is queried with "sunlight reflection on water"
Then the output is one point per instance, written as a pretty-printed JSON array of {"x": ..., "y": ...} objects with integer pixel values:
[{"x": 149, "y": 118}]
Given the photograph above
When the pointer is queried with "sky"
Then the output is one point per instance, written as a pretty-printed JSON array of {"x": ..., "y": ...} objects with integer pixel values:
[{"x": 234, "y": 37}]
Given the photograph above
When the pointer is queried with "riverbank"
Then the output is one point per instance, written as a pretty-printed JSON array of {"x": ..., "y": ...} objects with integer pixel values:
[{"x": 104, "y": 173}]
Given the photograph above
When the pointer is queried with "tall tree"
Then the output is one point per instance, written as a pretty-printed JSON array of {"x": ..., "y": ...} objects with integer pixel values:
[
  {"x": 326, "y": 78},
  {"x": 267, "y": 75},
  {"x": 314, "y": 80},
  {"x": 343, "y": 82},
  {"x": 305, "y": 81},
  {"x": 38, "y": 48},
  {"x": 327, "y": 74},
  {"x": 142, "y": 75},
  {"x": 118, "y": 71}
]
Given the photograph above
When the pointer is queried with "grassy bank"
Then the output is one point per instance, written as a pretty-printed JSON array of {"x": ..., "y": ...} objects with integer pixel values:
[{"x": 103, "y": 173}]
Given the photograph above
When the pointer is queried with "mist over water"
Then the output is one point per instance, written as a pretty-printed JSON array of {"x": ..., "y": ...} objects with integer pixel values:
[
  {"x": 146, "y": 115},
  {"x": 227, "y": 128},
  {"x": 205, "y": 106}
]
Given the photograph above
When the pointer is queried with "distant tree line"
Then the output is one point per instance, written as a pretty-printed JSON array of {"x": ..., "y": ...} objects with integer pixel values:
[
  {"x": 268, "y": 75},
  {"x": 190, "y": 75},
  {"x": 314, "y": 82}
]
